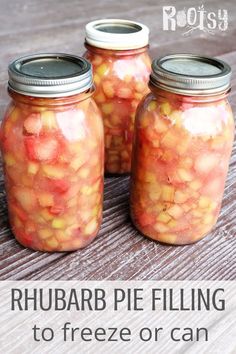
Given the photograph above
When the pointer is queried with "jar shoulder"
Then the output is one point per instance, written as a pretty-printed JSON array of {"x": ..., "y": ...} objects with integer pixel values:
[
  {"x": 197, "y": 118},
  {"x": 68, "y": 123},
  {"x": 124, "y": 67}
]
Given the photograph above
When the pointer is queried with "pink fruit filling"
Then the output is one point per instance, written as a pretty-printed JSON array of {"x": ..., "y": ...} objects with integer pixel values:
[{"x": 53, "y": 171}]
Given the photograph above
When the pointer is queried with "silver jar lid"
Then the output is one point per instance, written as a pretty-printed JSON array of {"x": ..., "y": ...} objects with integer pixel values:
[
  {"x": 116, "y": 34},
  {"x": 190, "y": 74},
  {"x": 50, "y": 75}
]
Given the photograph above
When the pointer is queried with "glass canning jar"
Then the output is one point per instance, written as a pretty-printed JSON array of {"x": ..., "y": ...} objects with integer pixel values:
[
  {"x": 52, "y": 144},
  {"x": 118, "y": 51},
  {"x": 182, "y": 144}
]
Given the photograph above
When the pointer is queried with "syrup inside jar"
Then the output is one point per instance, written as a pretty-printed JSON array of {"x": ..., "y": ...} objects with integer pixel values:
[
  {"x": 118, "y": 51},
  {"x": 52, "y": 144},
  {"x": 182, "y": 144}
]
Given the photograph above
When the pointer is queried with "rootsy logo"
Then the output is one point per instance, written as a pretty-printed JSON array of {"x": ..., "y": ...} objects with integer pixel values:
[{"x": 194, "y": 18}]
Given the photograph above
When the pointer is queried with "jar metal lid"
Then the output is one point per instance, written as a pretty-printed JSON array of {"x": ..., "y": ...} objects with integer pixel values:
[
  {"x": 116, "y": 34},
  {"x": 190, "y": 74},
  {"x": 50, "y": 75}
]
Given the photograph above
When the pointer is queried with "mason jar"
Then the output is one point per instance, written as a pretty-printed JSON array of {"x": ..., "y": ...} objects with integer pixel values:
[
  {"x": 182, "y": 144},
  {"x": 118, "y": 51},
  {"x": 52, "y": 144}
]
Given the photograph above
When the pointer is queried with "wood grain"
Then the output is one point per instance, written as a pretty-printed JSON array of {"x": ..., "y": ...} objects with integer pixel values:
[{"x": 119, "y": 252}]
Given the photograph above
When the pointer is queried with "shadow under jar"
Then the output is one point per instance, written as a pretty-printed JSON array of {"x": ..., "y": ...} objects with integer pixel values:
[
  {"x": 118, "y": 51},
  {"x": 182, "y": 144},
  {"x": 52, "y": 144}
]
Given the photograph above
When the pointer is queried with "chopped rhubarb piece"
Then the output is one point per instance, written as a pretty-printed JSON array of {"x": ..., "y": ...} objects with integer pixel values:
[
  {"x": 146, "y": 219},
  {"x": 164, "y": 217},
  {"x": 61, "y": 186},
  {"x": 58, "y": 223},
  {"x": 45, "y": 199},
  {"x": 45, "y": 233},
  {"x": 206, "y": 162},
  {"x": 33, "y": 124},
  {"x": 25, "y": 197},
  {"x": 48, "y": 119},
  {"x": 53, "y": 171},
  {"x": 33, "y": 168},
  {"x": 52, "y": 243},
  {"x": 41, "y": 148},
  {"x": 19, "y": 212},
  {"x": 167, "y": 238},
  {"x": 24, "y": 238},
  {"x": 91, "y": 227},
  {"x": 9, "y": 159},
  {"x": 56, "y": 210}
]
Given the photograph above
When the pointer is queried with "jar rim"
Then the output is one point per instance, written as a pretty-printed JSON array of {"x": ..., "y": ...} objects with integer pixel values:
[
  {"x": 167, "y": 94},
  {"x": 115, "y": 52},
  {"x": 117, "y": 34},
  {"x": 51, "y": 101}
]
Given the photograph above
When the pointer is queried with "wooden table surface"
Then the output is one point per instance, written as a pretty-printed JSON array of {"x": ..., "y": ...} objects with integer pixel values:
[{"x": 119, "y": 252}]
